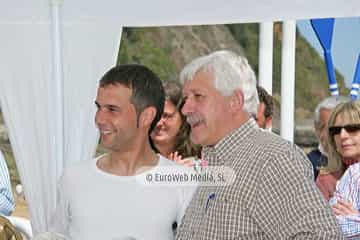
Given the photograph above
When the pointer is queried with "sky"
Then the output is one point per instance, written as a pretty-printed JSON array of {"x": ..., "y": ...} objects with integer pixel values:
[{"x": 345, "y": 44}]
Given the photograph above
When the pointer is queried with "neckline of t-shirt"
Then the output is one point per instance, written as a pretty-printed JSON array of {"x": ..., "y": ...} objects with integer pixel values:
[{"x": 124, "y": 178}]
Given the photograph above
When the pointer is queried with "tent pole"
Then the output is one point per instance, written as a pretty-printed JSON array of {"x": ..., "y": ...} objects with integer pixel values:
[
  {"x": 288, "y": 80},
  {"x": 57, "y": 65},
  {"x": 266, "y": 56}
]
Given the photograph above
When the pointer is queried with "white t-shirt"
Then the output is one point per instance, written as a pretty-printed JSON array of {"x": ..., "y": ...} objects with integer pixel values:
[{"x": 93, "y": 204}]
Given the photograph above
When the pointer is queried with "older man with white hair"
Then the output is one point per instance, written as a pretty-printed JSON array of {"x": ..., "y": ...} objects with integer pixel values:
[{"x": 273, "y": 195}]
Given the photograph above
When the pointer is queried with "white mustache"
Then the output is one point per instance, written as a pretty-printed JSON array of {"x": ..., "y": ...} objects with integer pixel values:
[{"x": 193, "y": 119}]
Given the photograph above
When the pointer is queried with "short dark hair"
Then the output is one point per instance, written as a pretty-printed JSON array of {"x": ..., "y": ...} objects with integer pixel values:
[
  {"x": 147, "y": 89},
  {"x": 267, "y": 99}
]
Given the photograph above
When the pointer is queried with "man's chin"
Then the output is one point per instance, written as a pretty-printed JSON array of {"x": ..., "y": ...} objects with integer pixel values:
[
  {"x": 105, "y": 145},
  {"x": 196, "y": 139}
]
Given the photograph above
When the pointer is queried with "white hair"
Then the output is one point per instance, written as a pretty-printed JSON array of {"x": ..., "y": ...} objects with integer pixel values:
[
  {"x": 328, "y": 103},
  {"x": 230, "y": 72}
]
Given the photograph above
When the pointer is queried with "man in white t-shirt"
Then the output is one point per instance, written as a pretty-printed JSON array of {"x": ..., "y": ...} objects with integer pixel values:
[{"x": 103, "y": 198}]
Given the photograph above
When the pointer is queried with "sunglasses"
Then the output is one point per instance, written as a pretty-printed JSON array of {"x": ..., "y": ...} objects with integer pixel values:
[{"x": 350, "y": 128}]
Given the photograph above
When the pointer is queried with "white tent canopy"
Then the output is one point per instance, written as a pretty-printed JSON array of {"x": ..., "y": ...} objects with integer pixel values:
[
  {"x": 48, "y": 78},
  {"x": 185, "y": 12}
]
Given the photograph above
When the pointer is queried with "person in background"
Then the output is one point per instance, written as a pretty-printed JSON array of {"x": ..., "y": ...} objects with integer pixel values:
[
  {"x": 108, "y": 198},
  {"x": 171, "y": 134},
  {"x": 265, "y": 109},
  {"x": 326, "y": 171},
  {"x": 7, "y": 204},
  {"x": 273, "y": 195},
  {"x": 344, "y": 144},
  {"x": 344, "y": 140}
]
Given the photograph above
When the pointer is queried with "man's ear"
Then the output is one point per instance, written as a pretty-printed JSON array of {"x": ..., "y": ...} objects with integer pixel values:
[
  {"x": 236, "y": 101},
  {"x": 147, "y": 116},
  {"x": 260, "y": 110}
]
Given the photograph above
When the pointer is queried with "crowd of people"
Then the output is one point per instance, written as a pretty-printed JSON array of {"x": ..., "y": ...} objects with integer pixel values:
[{"x": 218, "y": 116}]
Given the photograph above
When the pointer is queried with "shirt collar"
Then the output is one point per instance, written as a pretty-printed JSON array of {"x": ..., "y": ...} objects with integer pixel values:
[{"x": 220, "y": 152}]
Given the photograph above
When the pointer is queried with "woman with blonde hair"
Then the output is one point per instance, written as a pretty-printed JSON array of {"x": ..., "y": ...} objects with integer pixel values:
[
  {"x": 344, "y": 134},
  {"x": 344, "y": 145}
]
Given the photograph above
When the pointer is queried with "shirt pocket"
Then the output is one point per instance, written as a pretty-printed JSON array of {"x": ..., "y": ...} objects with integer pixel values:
[{"x": 228, "y": 218}]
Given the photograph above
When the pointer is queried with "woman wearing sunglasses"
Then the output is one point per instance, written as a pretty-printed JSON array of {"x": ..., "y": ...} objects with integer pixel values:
[
  {"x": 344, "y": 134},
  {"x": 171, "y": 134},
  {"x": 344, "y": 142}
]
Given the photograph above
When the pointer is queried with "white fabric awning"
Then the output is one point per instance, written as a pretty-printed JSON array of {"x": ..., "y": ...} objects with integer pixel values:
[{"x": 185, "y": 12}]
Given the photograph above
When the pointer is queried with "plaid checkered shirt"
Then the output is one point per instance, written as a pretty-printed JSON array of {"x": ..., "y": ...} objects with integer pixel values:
[
  {"x": 348, "y": 189},
  {"x": 273, "y": 196}
]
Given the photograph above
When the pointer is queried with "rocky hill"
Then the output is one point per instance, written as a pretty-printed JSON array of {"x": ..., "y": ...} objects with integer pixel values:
[{"x": 166, "y": 50}]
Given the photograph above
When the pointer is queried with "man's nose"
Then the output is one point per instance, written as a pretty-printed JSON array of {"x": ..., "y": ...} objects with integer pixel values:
[
  {"x": 100, "y": 117},
  {"x": 187, "y": 107}
]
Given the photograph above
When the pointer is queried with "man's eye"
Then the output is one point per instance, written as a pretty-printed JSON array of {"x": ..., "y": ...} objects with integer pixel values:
[{"x": 97, "y": 106}]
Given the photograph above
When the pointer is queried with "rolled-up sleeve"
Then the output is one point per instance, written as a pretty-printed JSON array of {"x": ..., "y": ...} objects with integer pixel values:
[{"x": 348, "y": 189}]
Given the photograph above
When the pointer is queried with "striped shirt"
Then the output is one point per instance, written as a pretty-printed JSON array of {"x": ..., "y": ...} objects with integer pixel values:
[
  {"x": 348, "y": 189},
  {"x": 273, "y": 196},
  {"x": 7, "y": 204}
]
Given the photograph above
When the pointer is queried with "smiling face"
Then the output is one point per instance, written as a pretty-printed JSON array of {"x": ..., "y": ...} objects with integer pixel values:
[
  {"x": 116, "y": 117},
  {"x": 347, "y": 143},
  {"x": 168, "y": 127},
  {"x": 206, "y": 110}
]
